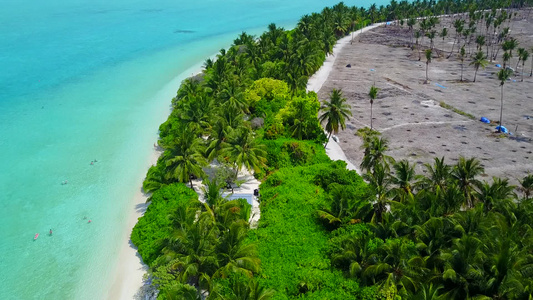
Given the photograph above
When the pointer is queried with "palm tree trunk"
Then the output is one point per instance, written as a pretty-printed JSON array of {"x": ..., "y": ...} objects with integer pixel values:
[
  {"x": 453, "y": 45},
  {"x": 190, "y": 181},
  {"x": 501, "y": 112},
  {"x": 475, "y": 74},
  {"x": 427, "y": 66},
  {"x": 523, "y": 63},
  {"x": 461, "y": 71},
  {"x": 531, "y": 73},
  {"x": 329, "y": 136},
  {"x": 370, "y": 115}
]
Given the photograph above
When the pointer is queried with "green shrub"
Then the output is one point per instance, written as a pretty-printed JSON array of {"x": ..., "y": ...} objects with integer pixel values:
[
  {"x": 292, "y": 245},
  {"x": 150, "y": 231}
]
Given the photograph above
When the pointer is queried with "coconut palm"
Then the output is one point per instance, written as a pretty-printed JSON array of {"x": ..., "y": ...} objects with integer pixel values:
[
  {"x": 459, "y": 26},
  {"x": 373, "y": 94},
  {"x": 462, "y": 54},
  {"x": 461, "y": 268},
  {"x": 438, "y": 174},
  {"x": 531, "y": 72},
  {"x": 354, "y": 254},
  {"x": 418, "y": 34},
  {"x": 510, "y": 45},
  {"x": 431, "y": 35},
  {"x": 403, "y": 178},
  {"x": 526, "y": 186},
  {"x": 335, "y": 113},
  {"x": 398, "y": 264},
  {"x": 493, "y": 194},
  {"x": 520, "y": 51},
  {"x": 184, "y": 160},
  {"x": 410, "y": 23},
  {"x": 375, "y": 154},
  {"x": 236, "y": 256},
  {"x": 480, "y": 41},
  {"x": 444, "y": 33},
  {"x": 379, "y": 182},
  {"x": 155, "y": 179},
  {"x": 503, "y": 76},
  {"x": 465, "y": 173},
  {"x": 479, "y": 61},
  {"x": 242, "y": 149},
  {"x": 429, "y": 53},
  {"x": 523, "y": 56}
]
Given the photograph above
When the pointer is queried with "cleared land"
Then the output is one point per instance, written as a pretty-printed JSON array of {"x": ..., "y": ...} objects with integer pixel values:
[{"x": 408, "y": 113}]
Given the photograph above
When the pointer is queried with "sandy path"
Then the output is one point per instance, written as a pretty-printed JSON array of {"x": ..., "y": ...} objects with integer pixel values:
[{"x": 333, "y": 149}]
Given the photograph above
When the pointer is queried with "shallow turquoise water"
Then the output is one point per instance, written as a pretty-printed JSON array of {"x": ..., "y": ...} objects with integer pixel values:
[{"x": 83, "y": 80}]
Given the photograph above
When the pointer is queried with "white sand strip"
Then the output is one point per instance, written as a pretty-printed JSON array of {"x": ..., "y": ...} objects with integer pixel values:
[
  {"x": 333, "y": 150},
  {"x": 316, "y": 81}
]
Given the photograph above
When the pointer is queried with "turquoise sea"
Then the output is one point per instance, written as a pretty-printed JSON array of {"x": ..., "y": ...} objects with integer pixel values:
[{"x": 82, "y": 80}]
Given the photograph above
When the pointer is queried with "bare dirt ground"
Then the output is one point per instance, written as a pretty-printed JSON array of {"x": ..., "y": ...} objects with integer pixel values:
[{"x": 407, "y": 110}]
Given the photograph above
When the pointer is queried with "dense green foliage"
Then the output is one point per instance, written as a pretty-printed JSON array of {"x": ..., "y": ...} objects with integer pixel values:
[
  {"x": 447, "y": 233},
  {"x": 293, "y": 243},
  {"x": 156, "y": 225},
  {"x": 324, "y": 233}
]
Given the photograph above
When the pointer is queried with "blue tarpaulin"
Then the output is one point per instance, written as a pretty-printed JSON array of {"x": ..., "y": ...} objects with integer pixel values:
[
  {"x": 503, "y": 129},
  {"x": 485, "y": 120},
  {"x": 498, "y": 65}
]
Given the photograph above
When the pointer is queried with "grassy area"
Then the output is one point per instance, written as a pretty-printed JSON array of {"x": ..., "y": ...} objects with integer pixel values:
[{"x": 458, "y": 111}]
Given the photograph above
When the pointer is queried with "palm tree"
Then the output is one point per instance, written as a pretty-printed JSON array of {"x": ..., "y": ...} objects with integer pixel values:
[
  {"x": 458, "y": 25},
  {"x": 242, "y": 149},
  {"x": 480, "y": 41},
  {"x": 410, "y": 23},
  {"x": 155, "y": 179},
  {"x": 417, "y": 37},
  {"x": 404, "y": 175},
  {"x": 398, "y": 265},
  {"x": 438, "y": 175},
  {"x": 429, "y": 52},
  {"x": 444, "y": 33},
  {"x": 184, "y": 160},
  {"x": 462, "y": 54},
  {"x": 354, "y": 254},
  {"x": 465, "y": 173},
  {"x": 379, "y": 181},
  {"x": 479, "y": 61},
  {"x": 335, "y": 113},
  {"x": 235, "y": 255},
  {"x": 510, "y": 45},
  {"x": 493, "y": 194},
  {"x": 431, "y": 35},
  {"x": 531, "y": 72},
  {"x": 523, "y": 56},
  {"x": 526, "y": 186},
  {"x": 373, "y": 94},
  {"x": 375, "y": 154},
  {"x": 503, "y": 76},
  {"x": 461, "y": 265}
]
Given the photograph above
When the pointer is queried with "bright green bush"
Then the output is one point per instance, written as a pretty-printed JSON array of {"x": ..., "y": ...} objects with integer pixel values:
[
  {"x": 150, "y": 231},
  {"x": 290, "y": 152},
  {"x": 292, "y": 243}
]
